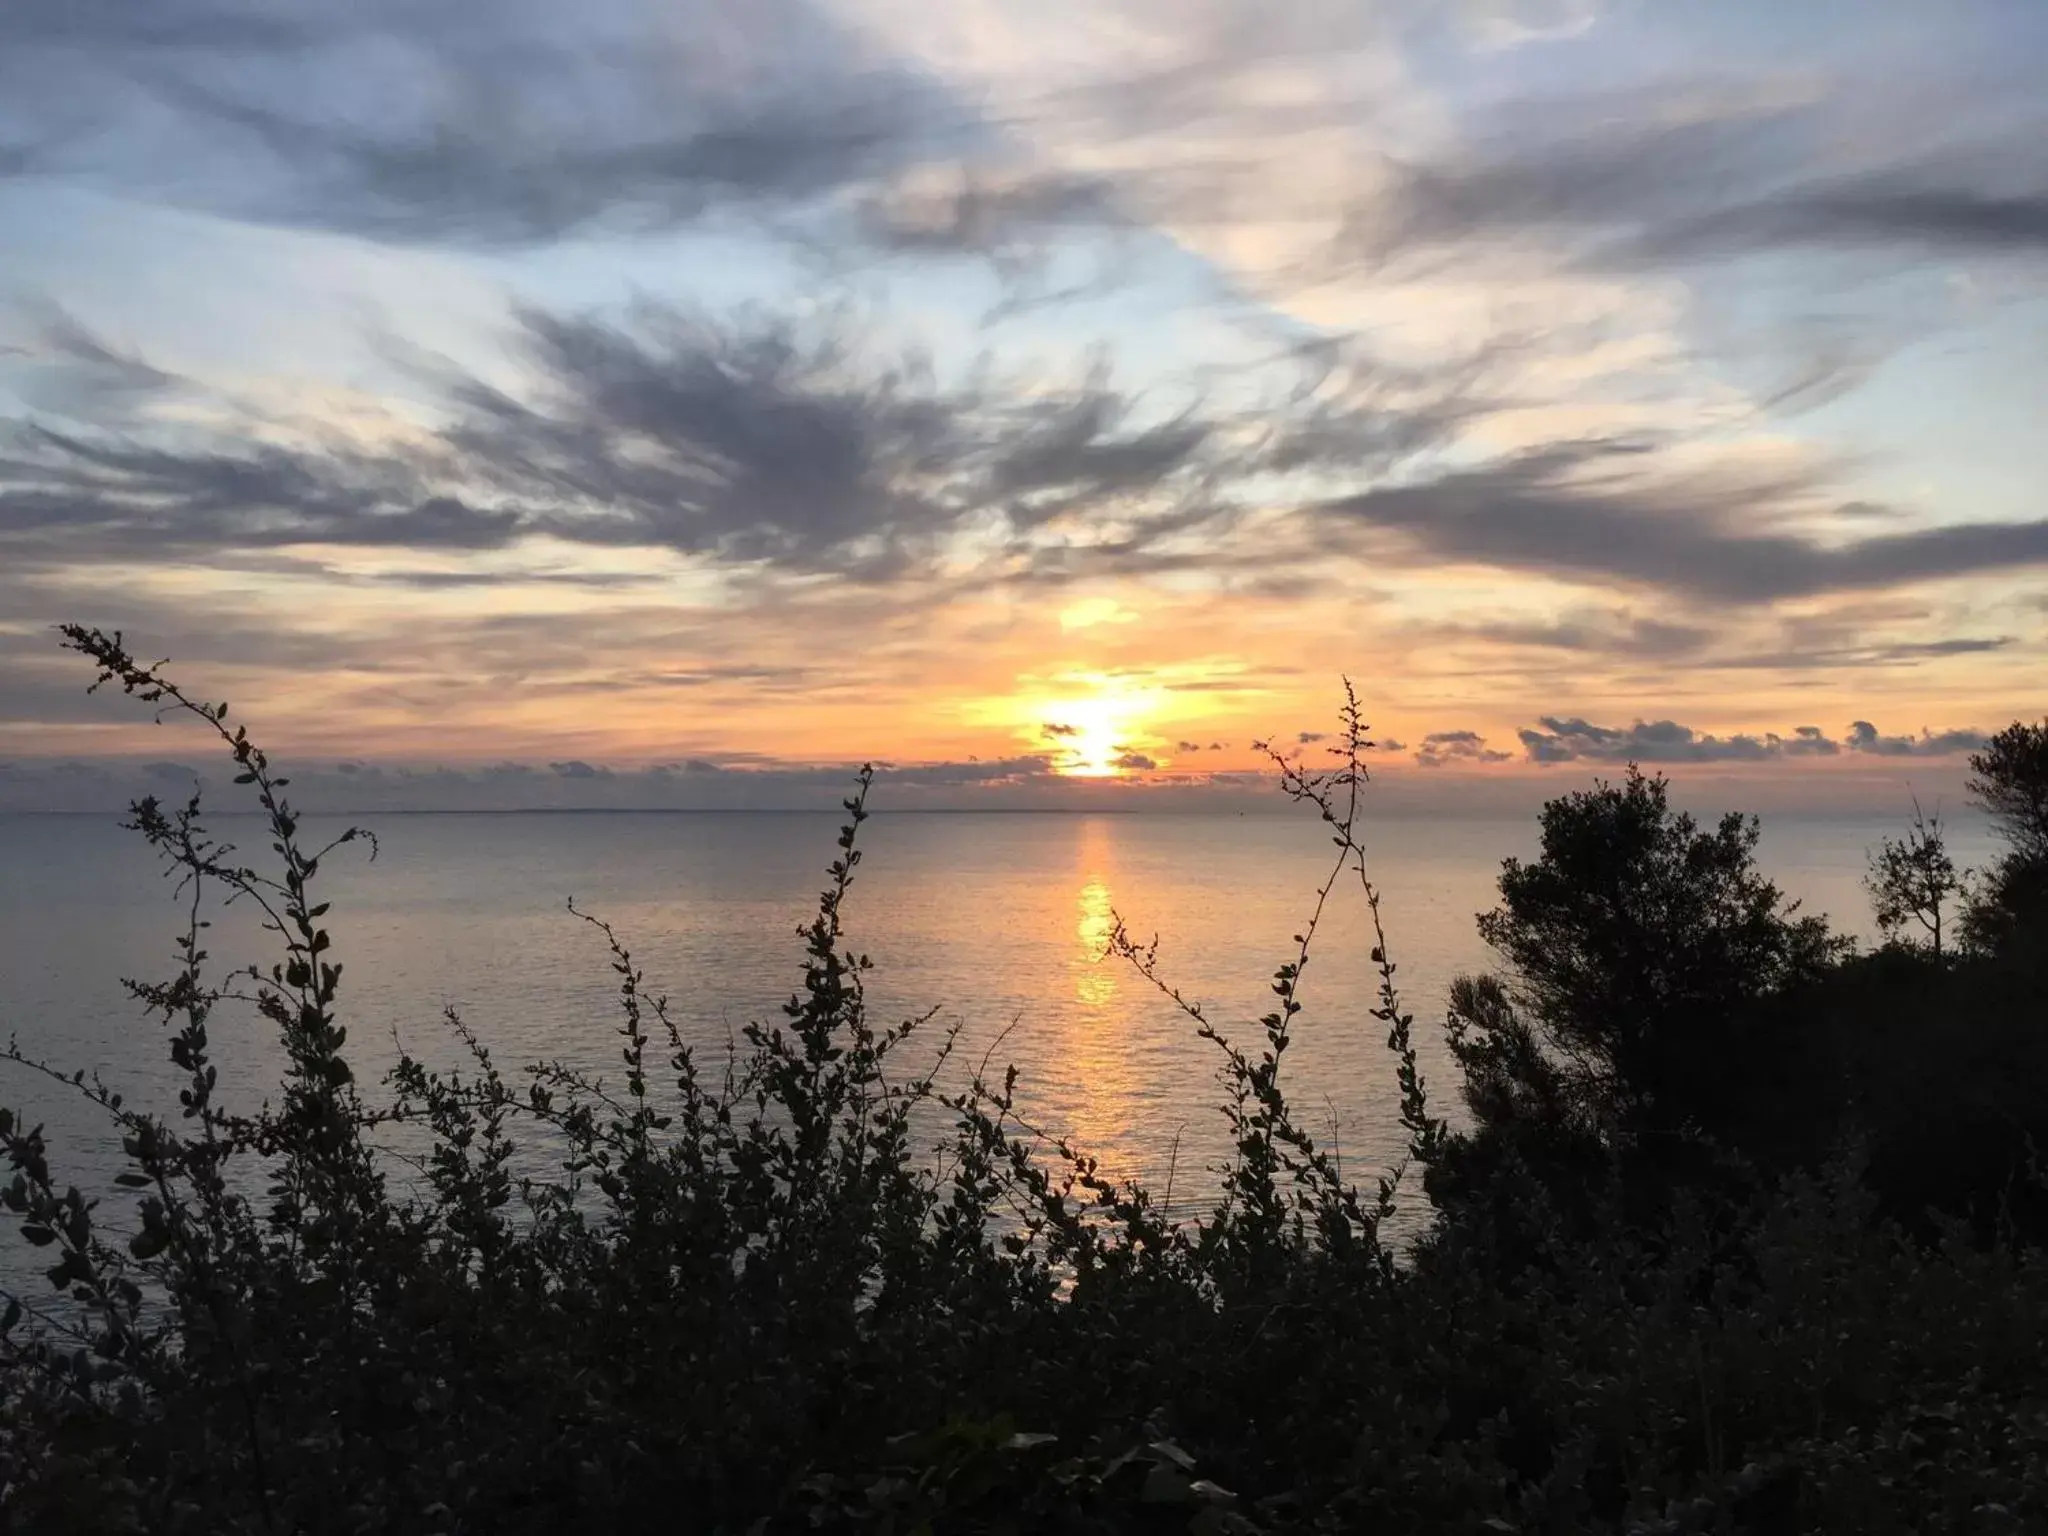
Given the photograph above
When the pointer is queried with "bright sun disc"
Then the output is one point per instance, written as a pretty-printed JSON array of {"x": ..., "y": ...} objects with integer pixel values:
[{"x": 1092, "y": 735}]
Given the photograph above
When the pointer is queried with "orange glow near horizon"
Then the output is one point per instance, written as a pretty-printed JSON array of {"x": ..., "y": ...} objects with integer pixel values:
[{"x": 1094, "y": 726}]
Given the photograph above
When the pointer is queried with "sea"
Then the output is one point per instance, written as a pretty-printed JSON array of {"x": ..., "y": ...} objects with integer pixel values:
[{"x": 994, "y": 924}]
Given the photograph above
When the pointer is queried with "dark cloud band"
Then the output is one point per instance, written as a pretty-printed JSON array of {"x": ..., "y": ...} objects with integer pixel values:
[
  {"x": 1571, "y": 740},
  {"x": 1608, "y": 512}
]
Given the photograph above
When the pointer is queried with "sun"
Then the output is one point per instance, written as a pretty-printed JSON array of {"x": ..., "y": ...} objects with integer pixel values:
[
  {"x": 1090, "y": 724},
  {"x": 1098, "y": 743}
]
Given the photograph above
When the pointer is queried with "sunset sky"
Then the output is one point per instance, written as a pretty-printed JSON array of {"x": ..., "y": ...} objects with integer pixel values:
[{"x": 629, "y": 400}]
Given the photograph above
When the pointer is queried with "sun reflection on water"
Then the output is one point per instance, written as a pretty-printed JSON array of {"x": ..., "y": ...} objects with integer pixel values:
[
  {"x": 1100, "y": 1107},
  {"x": 1094, "y": 978}
]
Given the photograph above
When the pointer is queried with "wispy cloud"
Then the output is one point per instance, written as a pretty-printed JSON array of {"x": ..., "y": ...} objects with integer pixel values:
[
  {"x": 1615, "y": 513},
  {"x": 803, "y": 449},
  {"x": 397, "y": 122},
  {"x": 1709, "y": 168},
  {"x": 750, "y": 446}
]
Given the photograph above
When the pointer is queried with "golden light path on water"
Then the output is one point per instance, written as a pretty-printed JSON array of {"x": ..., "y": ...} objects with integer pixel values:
[{"x": 1098, "y": 1059}]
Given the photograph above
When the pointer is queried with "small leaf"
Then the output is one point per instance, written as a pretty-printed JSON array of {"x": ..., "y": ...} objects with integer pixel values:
[{"x": 1164, "y": 1485}]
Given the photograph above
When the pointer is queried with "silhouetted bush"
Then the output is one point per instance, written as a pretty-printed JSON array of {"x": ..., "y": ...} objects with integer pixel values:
[
  {"x": 1935, "y": 1054},
  {"x": 2008, "y": 912},
  {"x": 1667, "y": 1021},
  {"x": 1618, "y": 1052},
  {"x": 755, "y": 1297}
]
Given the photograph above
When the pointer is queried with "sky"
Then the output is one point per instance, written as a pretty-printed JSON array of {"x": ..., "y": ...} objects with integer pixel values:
[{"x": 675, "y": 401}]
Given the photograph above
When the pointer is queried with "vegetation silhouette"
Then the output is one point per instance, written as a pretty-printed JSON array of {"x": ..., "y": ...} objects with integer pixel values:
[{"x": 1733, "y": 1235}]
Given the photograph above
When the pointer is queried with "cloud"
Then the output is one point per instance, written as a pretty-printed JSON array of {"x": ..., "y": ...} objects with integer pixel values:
[
  {"x": 84, "y": 496},
  {"x": 68, "y": 369},
  {"x": 1606, "y": 512},
  {"x": 1136, "y": 762},
  {"x": 761, "y": 445},
  {"x": 404, "y": 123},
  {"x": 1562, "y": 740},
  {"x": 697, "y": 783},
  {"x": 1661, "y": 741},
  {"x": 1808, "y": 741},
  {"x": 1440, "y": 748},
  {"x": 687, "y": 766},
  {"x": 1865, "y": 737},
  {"x": 998, "y": 770},
  {"x": 802, "y": 448},
  {"x": 1619, "y": 633},
  {"x": 978, "y": 209},
  {"x": 1054, "y": 728},
  {"x": 793, "y": 445},
  {"x": 441, "y": 581},
  {"x": 1862, "y": 653},
  {"x": 1688, "y": 171},
  {"x": 1905, "y": 208},
  {"x": 1071, "y": 453}
]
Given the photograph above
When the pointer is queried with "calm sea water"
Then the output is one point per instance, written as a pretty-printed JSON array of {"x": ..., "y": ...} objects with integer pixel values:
[{"x": 996, "y": 920}]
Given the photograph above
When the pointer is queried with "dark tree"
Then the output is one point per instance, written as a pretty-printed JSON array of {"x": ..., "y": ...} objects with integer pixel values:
[
  {"x": 1913, "y": 882},
  {"x": 1631, "y": 944},
  {"x": 2010, "y": 780}
]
